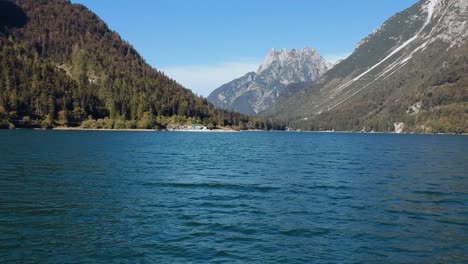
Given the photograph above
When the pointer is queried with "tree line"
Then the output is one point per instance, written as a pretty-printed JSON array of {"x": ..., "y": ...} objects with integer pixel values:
[{"x": 64, "y": 67}]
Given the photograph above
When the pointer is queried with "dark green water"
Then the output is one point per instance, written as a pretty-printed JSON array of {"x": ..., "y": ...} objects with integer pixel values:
[{"x": 128, "y": 197}]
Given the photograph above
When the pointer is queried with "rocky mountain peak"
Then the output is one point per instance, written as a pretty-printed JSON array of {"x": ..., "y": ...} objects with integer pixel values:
[
  {"x": 272, "y": 56},
  {"x": 307, "y": 51},
  {"x": 286, "y": 57},
  {"x": 252, "y": 94}
]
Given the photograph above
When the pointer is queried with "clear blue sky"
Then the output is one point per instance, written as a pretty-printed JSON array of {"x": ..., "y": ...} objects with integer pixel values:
[{"x": 205, "y": 43}]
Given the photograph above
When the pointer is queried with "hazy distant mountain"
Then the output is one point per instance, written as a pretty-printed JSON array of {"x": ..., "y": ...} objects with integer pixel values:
[
  {"x": 409, "y": 75},
  {"x": 255, "y": 92}
]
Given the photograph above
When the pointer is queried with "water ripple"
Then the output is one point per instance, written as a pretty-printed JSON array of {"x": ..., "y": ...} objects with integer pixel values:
[{"x": 105, "y": 197}]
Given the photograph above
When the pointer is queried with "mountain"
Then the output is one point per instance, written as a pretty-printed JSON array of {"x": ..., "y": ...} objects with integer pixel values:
[
  {"x": 410, "y": 75},
  {"x": 258, "y": 91},
  {"x": 60, "y": 65}
]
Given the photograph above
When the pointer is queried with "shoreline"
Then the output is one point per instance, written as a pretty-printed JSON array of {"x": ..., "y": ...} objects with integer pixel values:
[
  {"x": 386, "y": 133},
  {"x": 223, "y": 131},
  {"x": 99, "y": 129},
  {"x": 204, "y": 130},
  {"x": 138, "y": 130}
]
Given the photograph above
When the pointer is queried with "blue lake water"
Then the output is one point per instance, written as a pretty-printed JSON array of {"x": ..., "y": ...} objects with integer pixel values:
[{"x": 255, "y": 197}]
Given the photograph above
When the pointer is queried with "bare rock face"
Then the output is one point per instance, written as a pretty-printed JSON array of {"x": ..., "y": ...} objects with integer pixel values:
[{"x": 256, "y": 92}]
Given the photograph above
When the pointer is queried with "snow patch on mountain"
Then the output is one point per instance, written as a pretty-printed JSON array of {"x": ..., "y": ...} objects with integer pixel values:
[
  {"x": 430, "y": 7},
  {"x": 448, "y": 26}
]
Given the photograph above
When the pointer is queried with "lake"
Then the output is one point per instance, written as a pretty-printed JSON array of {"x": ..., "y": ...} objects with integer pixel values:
[{"x": 249, "y": 197}]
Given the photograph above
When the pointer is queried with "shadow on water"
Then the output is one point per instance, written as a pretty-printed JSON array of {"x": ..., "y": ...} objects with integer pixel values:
[{"x": 11, "y": 16}]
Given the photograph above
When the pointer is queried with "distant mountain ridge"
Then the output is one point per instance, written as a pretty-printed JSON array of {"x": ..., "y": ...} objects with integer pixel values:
[
  {"x": 409, "y": 75},
  {"x": 258, "y": 91}
]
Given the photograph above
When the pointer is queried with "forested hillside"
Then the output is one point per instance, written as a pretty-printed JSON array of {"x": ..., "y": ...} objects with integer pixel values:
[
  {"x": 61, "y": 65},
  {"x": 410, "y": 75}
]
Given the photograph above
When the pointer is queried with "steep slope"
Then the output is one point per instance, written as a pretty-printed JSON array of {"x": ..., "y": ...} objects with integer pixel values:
[
  {"x": 61, "y": 64},
  {"x": 409, "y": 75},
  {"x": 255, "y": 92}
]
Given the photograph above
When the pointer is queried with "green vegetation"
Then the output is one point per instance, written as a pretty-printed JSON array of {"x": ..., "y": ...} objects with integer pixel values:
[
  {"x": 65, "y": 67},
  {"x": 423, "y": 86},
  {"x": 432, "y": 103}
]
